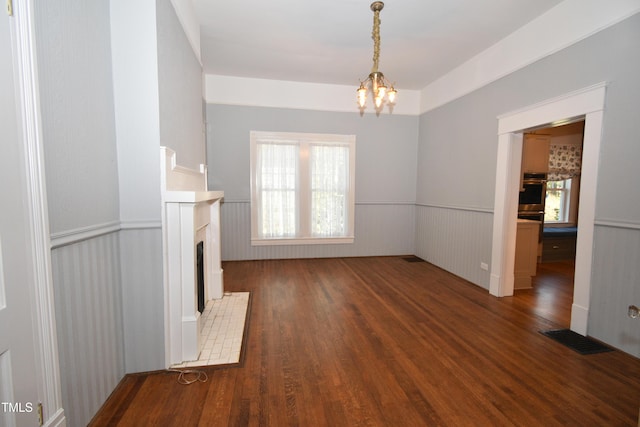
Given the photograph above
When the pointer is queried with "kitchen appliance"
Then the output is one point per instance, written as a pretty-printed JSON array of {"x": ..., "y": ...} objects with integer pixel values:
[
  {"x": 531, "y": 198},
  {"x": 532, "y": 192}
]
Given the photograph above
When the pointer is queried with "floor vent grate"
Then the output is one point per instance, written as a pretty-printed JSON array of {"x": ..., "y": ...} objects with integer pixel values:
[
  {"x": 413, "y": 258},
  {"x": 576, "y": 342}
]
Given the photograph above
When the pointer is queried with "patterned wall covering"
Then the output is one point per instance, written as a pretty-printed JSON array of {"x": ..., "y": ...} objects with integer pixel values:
[{"x": 565, "y": 161}]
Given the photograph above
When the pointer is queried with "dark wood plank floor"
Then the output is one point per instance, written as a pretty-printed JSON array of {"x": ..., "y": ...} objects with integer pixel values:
[{"x": 386, "y": 342}]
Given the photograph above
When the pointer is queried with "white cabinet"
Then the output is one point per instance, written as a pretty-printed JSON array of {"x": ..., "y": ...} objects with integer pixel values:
[
  {"x": 526, "y": 262},
  {"x": 535, "y": 153}
]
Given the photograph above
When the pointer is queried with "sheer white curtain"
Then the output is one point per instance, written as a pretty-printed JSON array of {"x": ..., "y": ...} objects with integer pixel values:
[
  {"x": 329, "y": 168},
  {"x": 302, "y": 188},
  {"x": 276, "y": 180}
]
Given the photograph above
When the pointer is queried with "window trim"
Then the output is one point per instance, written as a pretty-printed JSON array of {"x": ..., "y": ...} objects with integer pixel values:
[
  {"x": 570, "y": 205},
  {"x": 305, "y": 140}
]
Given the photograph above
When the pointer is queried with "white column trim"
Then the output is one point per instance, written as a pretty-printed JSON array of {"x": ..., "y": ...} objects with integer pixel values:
[
  {"x": 49, "y": 388},
  {"x": 506, "y": 207}
]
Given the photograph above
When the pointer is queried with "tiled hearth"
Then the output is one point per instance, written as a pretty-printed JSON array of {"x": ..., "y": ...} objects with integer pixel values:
[{"x": 222, "y": 330}]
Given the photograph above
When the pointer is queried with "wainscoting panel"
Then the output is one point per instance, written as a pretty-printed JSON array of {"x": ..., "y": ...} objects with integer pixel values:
[
  {"x": 615, "y": 285},
  {"x": 88, "y": 306},
  {"x": 380, "y": 229},
  {"x": 456, "y": 240},
  {"x": 143, "y": 298}
]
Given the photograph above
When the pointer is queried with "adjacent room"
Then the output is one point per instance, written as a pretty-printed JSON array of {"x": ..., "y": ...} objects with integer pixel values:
[{"x": 335, "y": 213}]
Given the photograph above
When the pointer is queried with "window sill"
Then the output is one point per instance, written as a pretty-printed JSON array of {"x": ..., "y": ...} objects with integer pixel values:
[{"x": 303, "y": 241}]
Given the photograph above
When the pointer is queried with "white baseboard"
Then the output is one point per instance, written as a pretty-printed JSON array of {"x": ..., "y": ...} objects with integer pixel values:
[{"x": 579, "y": 318}]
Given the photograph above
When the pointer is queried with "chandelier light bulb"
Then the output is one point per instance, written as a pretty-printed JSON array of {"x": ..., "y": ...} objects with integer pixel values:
[
  {"x": 391, "y": 95},
  {"x": 382, "y": 91},
  {"x": 362, "y": 95}
]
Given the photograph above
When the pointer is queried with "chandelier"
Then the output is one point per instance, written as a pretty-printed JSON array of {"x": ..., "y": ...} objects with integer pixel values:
[{"x": 380, "y": 88}]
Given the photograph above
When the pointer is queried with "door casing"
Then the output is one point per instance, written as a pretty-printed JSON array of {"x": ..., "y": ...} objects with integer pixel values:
[{"x": 589, "y": 104}]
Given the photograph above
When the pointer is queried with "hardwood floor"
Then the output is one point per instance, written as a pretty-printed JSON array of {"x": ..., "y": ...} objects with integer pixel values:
[
  {"x": 386, "y": 342},
  {"x": 551, "y": 295}
]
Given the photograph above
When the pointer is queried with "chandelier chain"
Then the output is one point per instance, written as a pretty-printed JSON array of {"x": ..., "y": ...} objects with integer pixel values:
[{"x": 375, "y": 35}]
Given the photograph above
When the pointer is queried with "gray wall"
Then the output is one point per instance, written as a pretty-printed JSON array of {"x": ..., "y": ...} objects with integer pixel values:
[
  {"x": 465, "y": 131},
  {"x": 181, "y": 90},
  {"x": 78, "y": 130},
  {"x": 385, "y": 177},
  {"x": 137, "y": 111},
  {"x": 134, "y": 35},
  {"x": 74, "y": 61}
]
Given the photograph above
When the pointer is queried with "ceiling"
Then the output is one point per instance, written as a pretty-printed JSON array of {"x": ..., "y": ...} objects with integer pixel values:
[{"x": 329, "y": 41}]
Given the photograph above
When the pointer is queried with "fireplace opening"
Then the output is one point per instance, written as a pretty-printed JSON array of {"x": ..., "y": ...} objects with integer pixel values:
[{"x": 200, "y": 275}]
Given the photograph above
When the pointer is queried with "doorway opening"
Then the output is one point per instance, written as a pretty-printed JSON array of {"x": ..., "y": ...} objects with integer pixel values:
[
  {"x": 555, "y": 154},
  {"x": 586, "y": 104}
]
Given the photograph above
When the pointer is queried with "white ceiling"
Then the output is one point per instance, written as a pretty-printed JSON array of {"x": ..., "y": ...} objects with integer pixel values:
[{"x": 329, "y": 41}]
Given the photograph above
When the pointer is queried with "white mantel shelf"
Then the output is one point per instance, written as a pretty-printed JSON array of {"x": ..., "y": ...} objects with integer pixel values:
[
  {"x": 191, "y": 196},
  {"x": 190, "y": 214}
]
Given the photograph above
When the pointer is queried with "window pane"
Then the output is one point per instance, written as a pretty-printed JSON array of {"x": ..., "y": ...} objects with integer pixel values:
[
  {"x": 301, "y": 188},
  {"x": 553, "y": 206},
  {"x": 329, "y": 190},
  {"x": 277, "y": 176},
  {"x": 555, "y": 184},
  {"x": 556, "y": 208}
]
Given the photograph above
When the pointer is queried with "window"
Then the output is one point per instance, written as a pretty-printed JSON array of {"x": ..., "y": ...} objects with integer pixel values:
[
  {"x": 557, "y": 201},
  {"x": 302, "y": 188}
]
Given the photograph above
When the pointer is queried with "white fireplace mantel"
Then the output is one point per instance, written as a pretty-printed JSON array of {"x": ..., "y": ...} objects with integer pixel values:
[{"x": 190, "y": 214}]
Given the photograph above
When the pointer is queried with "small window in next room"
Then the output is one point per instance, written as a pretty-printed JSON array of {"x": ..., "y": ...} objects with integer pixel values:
[
  {"x": 558, "y": 201},
  {"x": 563, "y": 178},
  {"x": 302, "y": 188}
]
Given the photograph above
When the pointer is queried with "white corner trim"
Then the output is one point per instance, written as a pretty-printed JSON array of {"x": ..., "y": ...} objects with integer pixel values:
[
  {"x": 579, "y": 319},
  {"x": 43, "y": 309},
  {"x": 230, "y": 90},
  {"x": 187, "y": 17},
  {"x": 560, "y": 27}
]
